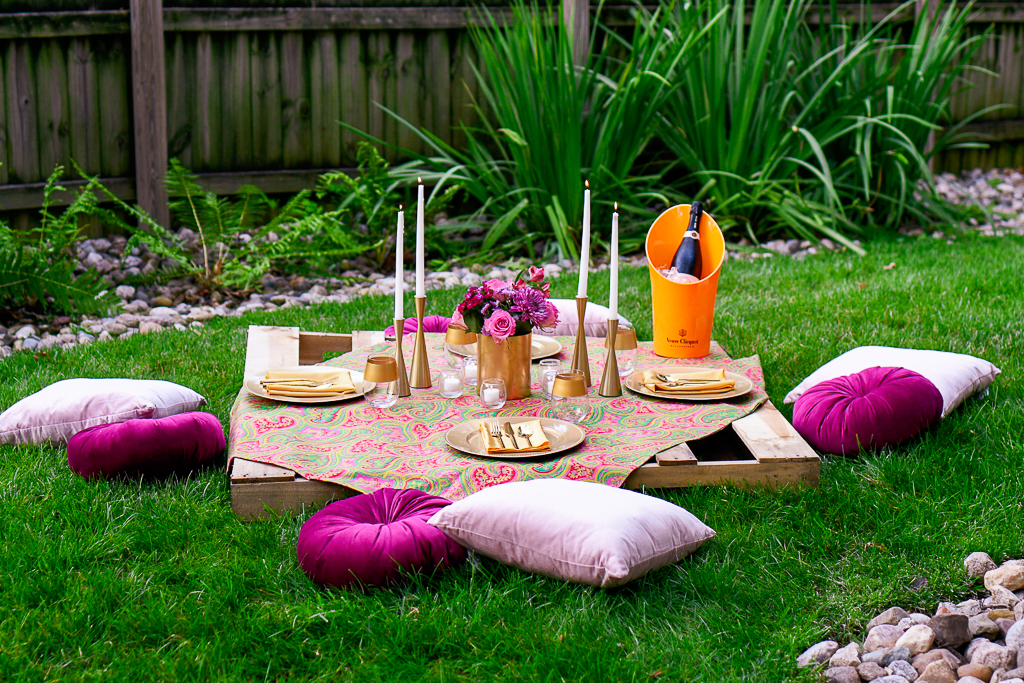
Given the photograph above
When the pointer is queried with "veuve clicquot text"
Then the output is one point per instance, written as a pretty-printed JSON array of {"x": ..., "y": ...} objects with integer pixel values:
[{"x": 687, "y": 258}]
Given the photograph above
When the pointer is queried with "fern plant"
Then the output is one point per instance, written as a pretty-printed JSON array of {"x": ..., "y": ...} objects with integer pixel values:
[
  {"x": 38, "y": 267},
  {"x": 310, "y": 238},
  {"x": 374, "y": 198}
]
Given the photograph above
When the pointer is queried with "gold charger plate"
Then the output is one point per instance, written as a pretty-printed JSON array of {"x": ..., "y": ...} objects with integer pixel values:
[
  {"x": 635, "y": 384},
  {"x": 562, "y": 435},
  {"x": 542, "y": 347},
  {"x": 253, "y": 386}
]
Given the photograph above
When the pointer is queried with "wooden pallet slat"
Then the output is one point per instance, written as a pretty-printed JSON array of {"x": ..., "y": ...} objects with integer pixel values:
[{"x": 771, "y": 438}]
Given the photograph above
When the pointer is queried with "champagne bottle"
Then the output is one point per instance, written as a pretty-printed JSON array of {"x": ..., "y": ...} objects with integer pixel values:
[{"x": 687, "y": 258}]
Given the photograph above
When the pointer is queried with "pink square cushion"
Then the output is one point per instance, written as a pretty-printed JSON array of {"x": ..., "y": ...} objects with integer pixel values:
[
  {"x": 177, "y": 444},
  {"x": 373, "y": 539},
  {"x": 870, "y": 408}
]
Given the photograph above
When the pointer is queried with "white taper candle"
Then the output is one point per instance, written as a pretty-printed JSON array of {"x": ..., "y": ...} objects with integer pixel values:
[
  {"x": 585, "y": 244},
  {"x": 399, "y": 271},
  {"x": 613, "y": 295},
  {"x": 420, "y": 270}
]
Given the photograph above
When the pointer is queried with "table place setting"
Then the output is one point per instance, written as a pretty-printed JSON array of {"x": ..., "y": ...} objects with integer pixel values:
[
  {"x": 513, "y": 438},
  {"x": 689, "y": 384},
  {"x": 308, "y": 384}
]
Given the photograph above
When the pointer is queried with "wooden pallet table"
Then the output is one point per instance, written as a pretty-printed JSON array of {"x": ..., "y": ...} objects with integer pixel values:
[{"x": 760, "y": 449}]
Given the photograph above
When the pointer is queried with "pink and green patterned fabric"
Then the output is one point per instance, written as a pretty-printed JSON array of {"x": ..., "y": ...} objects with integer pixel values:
[{"x": 367, "y": 449}]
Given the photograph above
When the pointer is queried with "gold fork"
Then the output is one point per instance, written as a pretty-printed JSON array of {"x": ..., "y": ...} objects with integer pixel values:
[{"x": 495, "y": 431}]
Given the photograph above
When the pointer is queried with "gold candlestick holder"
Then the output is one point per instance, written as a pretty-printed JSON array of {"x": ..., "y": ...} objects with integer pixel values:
[
  {"x": 580, "y": 360},
  {"x": 402, "y": 383},
  {"x": 610, "y": 382},
  {"x": 420, "y": 378}
]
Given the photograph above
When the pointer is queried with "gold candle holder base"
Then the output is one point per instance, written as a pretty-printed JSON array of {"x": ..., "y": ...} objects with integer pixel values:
[
  {"x": 420, "y": 376},
  {"x": 580, "y": 360},
  {"x": 401, "y": 385},
  {"x": 610, "y": 382}
]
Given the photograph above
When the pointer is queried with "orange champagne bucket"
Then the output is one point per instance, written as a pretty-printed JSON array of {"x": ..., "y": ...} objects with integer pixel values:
[{"x": 683, "y": 313}]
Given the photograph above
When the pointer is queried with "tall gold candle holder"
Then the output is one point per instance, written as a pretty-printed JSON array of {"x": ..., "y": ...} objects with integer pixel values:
[
  {"x": 420, "y": 378},
  {"x": 610, "y": 383},
  {"x": 402, "y": 383},
  {"x": 580, "y": 360}
]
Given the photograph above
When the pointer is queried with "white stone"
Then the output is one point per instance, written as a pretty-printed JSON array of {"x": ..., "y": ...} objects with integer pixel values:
[
  {"x": 1015, "y": 637},
  {"x": 819, "y": 653},
  {"x": 1010, "y": 575},
  {"x": 846, "y": 656},
  {"x": 1004, "y": 596},
  {"x": 25, "y": 332},
  {"x": 993, "y": 656}
]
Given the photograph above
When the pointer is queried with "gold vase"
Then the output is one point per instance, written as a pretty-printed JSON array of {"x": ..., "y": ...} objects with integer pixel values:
[{"x": 509, "y": 360}]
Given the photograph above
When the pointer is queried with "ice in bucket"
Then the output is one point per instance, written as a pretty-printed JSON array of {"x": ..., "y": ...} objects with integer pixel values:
[{"x": 684, "y": 312}]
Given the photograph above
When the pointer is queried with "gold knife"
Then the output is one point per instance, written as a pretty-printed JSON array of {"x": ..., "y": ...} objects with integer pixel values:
[{"x": 508, "y": 427}]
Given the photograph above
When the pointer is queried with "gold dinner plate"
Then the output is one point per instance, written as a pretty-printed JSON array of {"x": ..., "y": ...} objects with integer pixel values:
[
  {"x": 635, "y": 384},
  {"x": 253, "y": 386},
  {"x": 542, "y": 347},
  {"x": 563, "y": 435}
]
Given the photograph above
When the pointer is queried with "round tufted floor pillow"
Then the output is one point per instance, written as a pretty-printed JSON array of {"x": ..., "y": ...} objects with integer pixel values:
[
  {"x": 431, "y": 323},
  {"x": 177, "y": 444},
  {"x": 867, "y": 409},
  {"x": 373, "y": 539}
]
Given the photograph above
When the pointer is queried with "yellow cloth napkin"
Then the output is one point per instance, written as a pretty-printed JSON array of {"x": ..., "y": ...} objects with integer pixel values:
[
  {"x": 704, "y": 382},
  {"x": 538, "y": 440},
  {"x": 311, "y": 383}
]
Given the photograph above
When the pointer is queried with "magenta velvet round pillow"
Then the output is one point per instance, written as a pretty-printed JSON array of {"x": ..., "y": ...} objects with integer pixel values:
[
  {"x": 177, "y": 444},
  {"x": 374, "y": 538},
  {"x": 867, "y": 409},
  {"x": 431, "y": 323}
]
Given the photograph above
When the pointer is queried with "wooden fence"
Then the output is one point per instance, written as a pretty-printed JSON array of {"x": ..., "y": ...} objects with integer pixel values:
[{"x": 254, "y": 95}]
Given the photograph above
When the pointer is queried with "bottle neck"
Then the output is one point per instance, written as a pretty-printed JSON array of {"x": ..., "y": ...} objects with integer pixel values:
[{"x": 691, "y": 234}]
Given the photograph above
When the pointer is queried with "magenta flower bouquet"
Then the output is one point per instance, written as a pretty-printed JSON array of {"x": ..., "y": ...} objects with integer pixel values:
[{"x": 503, "y": 309}]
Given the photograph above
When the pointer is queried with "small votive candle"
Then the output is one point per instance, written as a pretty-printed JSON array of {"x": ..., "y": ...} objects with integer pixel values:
[
  {"x": 451, "y": 382},
  {"x": 490, "y": 395},
  {"x": 469, "y": 371}
]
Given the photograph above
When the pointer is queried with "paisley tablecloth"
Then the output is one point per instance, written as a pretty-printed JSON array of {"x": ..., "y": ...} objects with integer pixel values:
[{"x": 366, "y": 448}]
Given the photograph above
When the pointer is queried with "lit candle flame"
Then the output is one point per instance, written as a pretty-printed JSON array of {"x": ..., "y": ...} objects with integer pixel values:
[
  {"x": 399, "y": 207},
  {"x": 587, "y": 183},
  {"x": 616, "y": 206},
  {"x": 419, "y": 180}
]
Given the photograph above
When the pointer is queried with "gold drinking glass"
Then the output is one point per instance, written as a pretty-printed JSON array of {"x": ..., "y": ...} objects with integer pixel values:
[
  {"x": 382, "y": 372},
  {"x": 458, "y": 336},
  {"x": 568, "y": 394}
]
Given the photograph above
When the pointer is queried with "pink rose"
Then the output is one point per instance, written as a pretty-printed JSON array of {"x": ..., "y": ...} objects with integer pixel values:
[
  {"x": 457, "y": 319},
  {"x": 535, "y": 274},
  {"x": 501, "y": 325},
  {"x": 497, "y": 285}
]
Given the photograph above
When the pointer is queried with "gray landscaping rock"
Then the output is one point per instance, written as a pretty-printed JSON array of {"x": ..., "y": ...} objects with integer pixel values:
[
  {"x": 904, "y": 669},
  {"x": 145, "y": 327},
  {"x": 115, "y": 328},
  {"x": 937, "y": 672},
  {"x": 897, "y": 654},
  {"x": 970, "y": 607},
  {"x": 819, "y": 653},
  {"x": 971, "y": 679},
  {"x": 869, "y": 671},
  {"x": 842, "y": 674},
  {"x": 978, "y": 564},
  {"x": 1003, "y": 596},
  {"x": 883, "y": 635},
  {"x": 891, "y": 678},
  {"x": 1015, "y": 637},
  {"x": 128, "y": 320},
  {"x": 25, "y": 332},
  {"x": 877, "y": 656},
  {"x": 104, "y": 336},
  {"x": 85, "y": 338},
  {"x": 951, "y": 630},
  {"x": 165, "y": 311},
  {"x": 982, "y": 625},
  {"x": 919, "y": 618},
  {"x": 922, "y": 661},
  {"x": 1014, "y": 673}
]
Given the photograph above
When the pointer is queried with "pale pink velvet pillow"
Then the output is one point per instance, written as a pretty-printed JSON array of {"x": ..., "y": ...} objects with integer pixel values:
[
  {"x": 572, "y": 530},
  {"x": 595, "y": 320},
  {"x": 61, "y": 410}
]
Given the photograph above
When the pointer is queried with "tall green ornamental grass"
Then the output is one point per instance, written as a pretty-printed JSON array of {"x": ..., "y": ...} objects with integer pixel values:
[{"x": 785, "y": 129}]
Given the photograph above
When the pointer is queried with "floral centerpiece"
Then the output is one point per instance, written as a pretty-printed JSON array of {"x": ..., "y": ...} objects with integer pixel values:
[
  {"x": 506, "y": 308},
  {"x": 503, "y": 313}
]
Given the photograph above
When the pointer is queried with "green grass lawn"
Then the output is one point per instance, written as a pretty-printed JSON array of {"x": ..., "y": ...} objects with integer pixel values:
[{"x": 119, "y": 581}]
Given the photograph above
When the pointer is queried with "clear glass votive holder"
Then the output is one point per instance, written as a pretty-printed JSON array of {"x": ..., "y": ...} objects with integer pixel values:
[
  {"x": 450, "y": 382},
  {"x": 381, "y": 372},
  {"x": 492, "y": 393},
  {"x": 470, "y": 371},
  {"x": 549, "y": 367},
  {"x": 625, "y": 349},
  {"x": 568, "y": 397}
]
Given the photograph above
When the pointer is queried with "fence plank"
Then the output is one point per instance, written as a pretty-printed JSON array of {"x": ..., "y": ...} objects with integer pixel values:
[
  {"x": 464, "y": 88},
  {"x": 149, "y": 104},
  {"x": 51, "y": 92},
  {"x": 180, "y": 98},
  {"x": 5, "y": 153},
  {"x": 294, "y": 86},
  {"x": 409, "y": 90},
  {"x": 83, "y": 91},
  {"x": 236, "y": 102},
  {"x": 206, "y": 154},
  {"x": 21, "y": 114},
  {"x": 353, "y": 93},
  {"x": 326, "y": 105},
  {"x": 266, "y": 101},
  {"x": 379, "y": 67},
  {"x": 437, "y": 114},
  {"x": 116, "y": 148}
]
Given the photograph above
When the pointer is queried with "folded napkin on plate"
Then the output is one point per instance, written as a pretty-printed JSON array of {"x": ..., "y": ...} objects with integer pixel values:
[
  {"x": 694, "y": 382},
  {"x": 311, "y": 383},
  {"x": 537, "y": 441}
]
